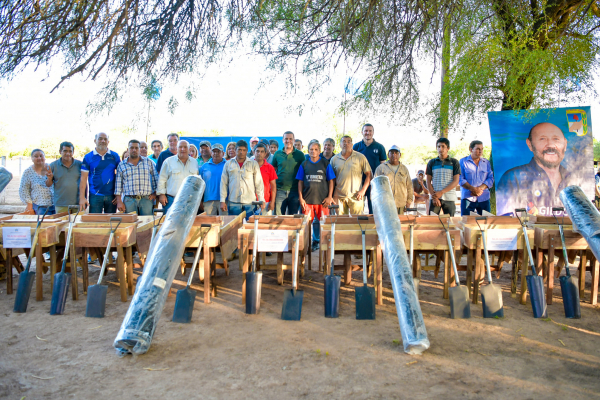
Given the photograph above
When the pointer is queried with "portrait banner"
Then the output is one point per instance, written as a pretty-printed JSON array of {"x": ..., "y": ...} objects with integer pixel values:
[{"x": 538, "y": 154}]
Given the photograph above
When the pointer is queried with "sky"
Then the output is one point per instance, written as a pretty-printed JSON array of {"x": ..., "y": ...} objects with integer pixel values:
[{"x": 229, "y": 98}]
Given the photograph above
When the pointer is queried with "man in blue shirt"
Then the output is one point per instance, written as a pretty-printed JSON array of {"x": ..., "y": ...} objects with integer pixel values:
[
  {"x": 98, "y": 171},
  {"x": 211, "y": 172},
  {"x": 375, "y": 153},
  {"x": 476, "y": 177}
]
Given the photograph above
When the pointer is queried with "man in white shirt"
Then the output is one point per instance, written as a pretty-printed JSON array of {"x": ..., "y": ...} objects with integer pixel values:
[{"x": 173, "y": 172}]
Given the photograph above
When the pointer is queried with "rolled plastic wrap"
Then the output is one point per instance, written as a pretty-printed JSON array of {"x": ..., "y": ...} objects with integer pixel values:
[
  {"x": 137, "y": 330},
  {"x": 410, "y": 317},
  {"x": 584, "y": 215},
  {"x": 5, "y": 178}
]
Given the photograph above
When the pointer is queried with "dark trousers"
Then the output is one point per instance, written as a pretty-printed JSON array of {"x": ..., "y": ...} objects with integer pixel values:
[
  {"x": 286, "y": 202},
  {"x": 447, "y": 207},
  {"x": 467, "y": 206},
  {"x": 99, "y": 204},
  {"x": 368, "y": 196}
]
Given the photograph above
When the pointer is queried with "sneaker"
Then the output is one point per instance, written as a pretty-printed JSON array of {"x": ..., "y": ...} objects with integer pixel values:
[
  {"x": 315, "y": 246},
  {"x": 269, "y": 254}
]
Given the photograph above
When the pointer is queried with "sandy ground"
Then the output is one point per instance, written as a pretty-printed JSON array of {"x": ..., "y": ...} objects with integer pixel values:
[{"x": 225, "y": 353}]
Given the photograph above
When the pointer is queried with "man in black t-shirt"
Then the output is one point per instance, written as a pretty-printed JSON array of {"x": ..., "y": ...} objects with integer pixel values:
[{"x": 315, "y": 186}]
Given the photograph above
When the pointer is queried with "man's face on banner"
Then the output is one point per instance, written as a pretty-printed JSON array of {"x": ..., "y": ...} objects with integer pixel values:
[{"x": 548, "y": 145}]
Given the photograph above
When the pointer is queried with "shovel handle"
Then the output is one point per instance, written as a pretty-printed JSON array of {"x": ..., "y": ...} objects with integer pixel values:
[
  {"x": 411, "y": 251},
  {"x": 196, "y": 258},
  {"x": 158, "y": 210},
  {"x": 258, "y": 203},
  {"x": 333, "y": 206},
  {"x": 255, "y": 246},
  {"x": 364, "y": 254},
  {"x": 531, "y": 264},
  {"x": 451, "y": 250},
  {"x": 35, "y": 239},
  {"x": 106, "y": 253},
  {"x": 564, "y": 249},
  {"x": 486, "y": 256},
  {"x": 295, "y": 262}
]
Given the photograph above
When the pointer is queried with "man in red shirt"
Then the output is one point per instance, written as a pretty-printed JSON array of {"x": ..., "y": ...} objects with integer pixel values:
[{"x": 269, "y": 177}]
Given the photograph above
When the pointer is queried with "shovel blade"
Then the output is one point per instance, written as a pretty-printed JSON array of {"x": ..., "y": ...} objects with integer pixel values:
[
  {"x": 184, "y": 306},
  {"x": 332, "y": 296},
  {"x": 253, "y": 288},
  {"x": 23, "y": 291},
  {"x": 292, "y": 305},
  {"x": 491, "y": 300},
  {"x": 460, "y": 306},
  {"x": 569, "y": 288},
  {"x": 365, "y": 302},
  {"x": 96, "y": 301},
  {"x": 62, "y": 281},
  {"x": 535, "y": 286}
]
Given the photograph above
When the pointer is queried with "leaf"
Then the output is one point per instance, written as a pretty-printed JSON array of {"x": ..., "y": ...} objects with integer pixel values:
[
  {"x": 156, "y": 369},
  {"x": 44, "y": 379},
  {"x": 318, "y": 351},
  {"x": 91, "y": 329},
  {"x": 396, "y": 341},
  {"x": 519, "y": 330},
  {"x": 39, "y": 338},
  {"x": 563, "y": 343},
  {"x": 411, "y": 363},
  {"x": 483, "y": 354},
  {"x": 546, "y": 319}
]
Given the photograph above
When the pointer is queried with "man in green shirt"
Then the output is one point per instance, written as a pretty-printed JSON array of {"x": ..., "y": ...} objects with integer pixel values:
[{"x": 286, "y": 163}]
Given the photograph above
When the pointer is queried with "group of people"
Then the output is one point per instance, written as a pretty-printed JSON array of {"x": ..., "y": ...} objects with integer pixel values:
[{"x": 286, "y": 181}]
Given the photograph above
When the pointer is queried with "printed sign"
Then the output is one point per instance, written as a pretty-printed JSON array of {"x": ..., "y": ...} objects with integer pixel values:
[
  {"x": 272, "y": 241},
  {"x": 536, "y": 155},
  {"x": 16, "y": 238},
  {"x": 502, "y": 239}
]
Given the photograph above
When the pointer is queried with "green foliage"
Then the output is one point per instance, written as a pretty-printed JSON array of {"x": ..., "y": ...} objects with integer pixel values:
[{"x": 596, "y": 150}]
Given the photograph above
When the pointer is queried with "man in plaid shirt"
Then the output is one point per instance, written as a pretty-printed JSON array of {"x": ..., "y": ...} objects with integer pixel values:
[{"x": 135, "y": 186}]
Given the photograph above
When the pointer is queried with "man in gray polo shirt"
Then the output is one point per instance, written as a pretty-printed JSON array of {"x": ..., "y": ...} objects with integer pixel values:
[{"x": 64, "y": 174}]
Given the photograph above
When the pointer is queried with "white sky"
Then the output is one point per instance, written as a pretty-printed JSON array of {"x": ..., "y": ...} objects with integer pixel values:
[{"x": 227, "y": 99}]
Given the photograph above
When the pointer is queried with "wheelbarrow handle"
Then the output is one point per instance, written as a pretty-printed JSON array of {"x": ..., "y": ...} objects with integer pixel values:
[
  {"x": 158, "y": 210},
  {"x": 258, "y": 203}
]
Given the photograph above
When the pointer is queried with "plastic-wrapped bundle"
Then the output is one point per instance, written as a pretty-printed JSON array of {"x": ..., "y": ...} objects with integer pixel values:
[
  {"x": 585, "y": 217},
  {"x": 137, "y": 330},
  {"x": 410, "y": 317},
  {"x": 5, "y": 178}
]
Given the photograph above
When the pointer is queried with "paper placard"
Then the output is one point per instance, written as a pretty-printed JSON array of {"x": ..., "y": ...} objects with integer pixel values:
[
  {"x": 273, "y": 241},
  {"x": 16, "y": 238},
  {"x": 502, "y": 239}
]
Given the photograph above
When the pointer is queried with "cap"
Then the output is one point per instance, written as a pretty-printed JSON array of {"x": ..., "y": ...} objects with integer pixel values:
[
  {"x": 254, "y": 139},
  {"x": 419, "y": 172},
  {"x": 204, "y": 143},
  {"x": 394, "y": 147},
  {"x": 217, "y": 146}
]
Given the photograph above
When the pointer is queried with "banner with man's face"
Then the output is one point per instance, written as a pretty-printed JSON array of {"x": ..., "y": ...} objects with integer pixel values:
[{"x": 536, "y": 155}]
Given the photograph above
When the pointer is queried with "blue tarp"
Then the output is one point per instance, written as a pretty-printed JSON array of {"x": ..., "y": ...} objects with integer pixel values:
[{"x": 195, "y": 140}]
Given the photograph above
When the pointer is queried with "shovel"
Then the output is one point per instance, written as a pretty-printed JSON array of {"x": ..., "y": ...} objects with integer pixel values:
[
  {"x": 416, "y": 279},
  {"x": 156, "y": 225},
  {"x": 332, "y": 282},
  {"x": 96, "y": 298},
  {"x": 365, "y": 295},
  {"x": 253, "y": 278},
  {"x": 460, "y": 307},
  {"x": 62, "y": 280},
  {"x": 569, "y": 287},
  {"x": 26, "y": 277},
  {"x": 292, "y": 298},
  {"x": 491, "y": 295},
  {"x": 184, "y": 302},
  {"x": 535, "y": 283}
]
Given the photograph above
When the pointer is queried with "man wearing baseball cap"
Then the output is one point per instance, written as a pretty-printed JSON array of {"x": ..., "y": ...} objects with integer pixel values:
[
  {"x": 211, "y": 172},
  {"x": 399, "y": 177},
  {"x": 253, "y": 142},
  {"x": 205, "y": 150},
  {"x": 420, "y": 190}
]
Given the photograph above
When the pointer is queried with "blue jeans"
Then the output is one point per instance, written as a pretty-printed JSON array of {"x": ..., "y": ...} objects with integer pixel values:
[
  {"x": 170, "y": 200},
  {"x": 286, "y": 202},
  {"x": 40, "y": 210},
  {"x": 143, "y": 206},
  {"x": 467, "y": 206},
  {"x": 237, "y": 208},
  {"x": 316, "y": 230},
  {"x": 99, "y": 204}
]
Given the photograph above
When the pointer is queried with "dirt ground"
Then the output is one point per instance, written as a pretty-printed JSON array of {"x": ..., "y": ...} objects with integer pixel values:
[{"x": 225, "y": 353}]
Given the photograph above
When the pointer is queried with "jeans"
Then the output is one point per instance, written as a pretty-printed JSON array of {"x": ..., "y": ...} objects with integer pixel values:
[
  {"x": 170, "y": 200},
  {"x": 447, "y": 206},
  {"x": 316, "y": 231},
  {"x": 99, "y": 204},
  {"x": 467, "y": 206},
  {"x": 266, "y": 210},
  {"x": 237, "y": 208},
  {"x": 143, "y": 206},
  {"x": 286, "y": 202},
  {"x": 40, "y": 210}
]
